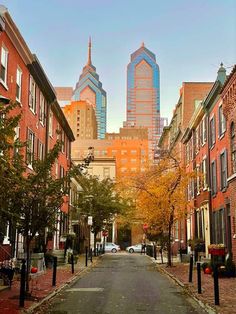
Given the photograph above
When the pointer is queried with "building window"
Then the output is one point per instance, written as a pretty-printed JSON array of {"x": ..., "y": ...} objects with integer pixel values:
[
  {"x": 233, "y": 147},
  {"x": 18, "y": 84},
  {"x": 30, "y": 147},
  {"x": 32, "y": 94},
  {"x": 212, "y": 132},
  {"x": 204, "y": 172},
  {"x": 198, "y": 179},
  {"x": 203, "y": 131},
  {"x": 213, "y": 178},
  {"x": 40, "y": 150},
  {"x": 223, "y": 170},
  {"x": 4, "y": 61},
  {"x": 197, "y": 140},
  {"x": 106, "y": 173},
  {"x": 42, "y": 109},
  {"x": 50, "y": 127},
  {"x": 222, "y": 122},
  {"x": 16, "y": 138},
  {"x": 219, "y": 226}
]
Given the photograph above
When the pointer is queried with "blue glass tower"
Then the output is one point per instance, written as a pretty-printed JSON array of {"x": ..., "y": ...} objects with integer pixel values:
[
  {"x": 143, "y": 94},
  {"x": 89, "y": 88}
]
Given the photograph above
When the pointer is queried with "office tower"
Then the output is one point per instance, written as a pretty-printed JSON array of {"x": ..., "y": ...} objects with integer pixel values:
[
  {"x": 82, "y": 120},
  {"x": 89, "y": 88},
  {"x": 143, "y": 95}
]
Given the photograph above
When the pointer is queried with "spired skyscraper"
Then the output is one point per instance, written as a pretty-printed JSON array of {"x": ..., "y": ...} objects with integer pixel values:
[
  {"x": 89, "y": 88},
  {"x": 143, "y": 95}
]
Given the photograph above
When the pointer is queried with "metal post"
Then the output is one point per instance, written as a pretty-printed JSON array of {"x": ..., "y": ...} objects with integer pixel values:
[
  {"x": 191, "y": 269},
  {"x": 72, "y": 264},
  {"x": 216, "y": 285},
  {"x": 22, "y": 284},
  {"x": 91, "y": 255},
  {"x": 54, "y": 274},
  {"x": 86, "y": 256},
  {"x": 155, "y": 252},
  {"x": 199, "y": 283}
]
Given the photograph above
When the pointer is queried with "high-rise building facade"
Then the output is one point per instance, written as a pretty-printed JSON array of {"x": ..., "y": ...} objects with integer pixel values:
[
  {"x": 82, "y": 120},
  {"x": 143, "y": 95},
  {"x": 89, "y": 88}
]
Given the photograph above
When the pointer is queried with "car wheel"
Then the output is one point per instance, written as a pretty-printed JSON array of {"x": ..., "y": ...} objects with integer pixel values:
[
  {"x": 131, "y": 250},
  {"x": 114, "y": 250}
]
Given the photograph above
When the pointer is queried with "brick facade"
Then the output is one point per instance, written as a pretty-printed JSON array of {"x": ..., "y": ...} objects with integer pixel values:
[{"x": 229, "y": 106}]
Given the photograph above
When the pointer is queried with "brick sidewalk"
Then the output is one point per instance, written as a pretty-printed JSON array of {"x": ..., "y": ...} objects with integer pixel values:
[
  {"x": 40, "y": 287},
  {"x": 227, "y": 287}
]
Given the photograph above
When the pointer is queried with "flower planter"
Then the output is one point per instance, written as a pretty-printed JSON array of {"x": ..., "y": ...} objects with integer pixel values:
[{"x": 217, "y": 252}]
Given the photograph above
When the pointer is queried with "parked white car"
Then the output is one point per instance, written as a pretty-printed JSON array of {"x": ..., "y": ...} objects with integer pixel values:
[
  {"x": 134, "y": 248},
  {"x": 112, "y": 247}
]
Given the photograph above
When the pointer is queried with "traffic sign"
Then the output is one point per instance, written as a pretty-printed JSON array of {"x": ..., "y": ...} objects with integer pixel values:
[{"x": 105, "y": 233}]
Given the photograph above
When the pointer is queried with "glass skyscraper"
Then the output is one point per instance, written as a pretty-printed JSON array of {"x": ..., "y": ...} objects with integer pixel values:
[
  {"x": 143, "y": 94},
  {"x": 89, "y": 88}
]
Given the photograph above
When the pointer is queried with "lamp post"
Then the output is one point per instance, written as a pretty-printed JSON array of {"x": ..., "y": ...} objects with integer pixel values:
[{"x": 90, "y": 222}]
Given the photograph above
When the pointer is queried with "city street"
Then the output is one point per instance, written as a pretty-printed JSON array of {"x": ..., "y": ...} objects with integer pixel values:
[{"x": 123, "y": 283}]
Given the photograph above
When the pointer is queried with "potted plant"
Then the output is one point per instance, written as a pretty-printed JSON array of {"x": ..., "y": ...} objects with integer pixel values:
[{"x": 216, "y": 249}]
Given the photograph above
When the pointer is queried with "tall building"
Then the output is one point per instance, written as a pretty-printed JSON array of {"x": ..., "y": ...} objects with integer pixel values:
[
  {"x": 82, "y": 120},
  {"x": 89, "y": 88},
  {"x": 143, "y": 94}
]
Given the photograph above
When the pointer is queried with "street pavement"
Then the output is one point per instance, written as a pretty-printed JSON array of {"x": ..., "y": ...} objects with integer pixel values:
[
  {"x": 122, "y": 283},
  {"x": 110, "y": 275}
]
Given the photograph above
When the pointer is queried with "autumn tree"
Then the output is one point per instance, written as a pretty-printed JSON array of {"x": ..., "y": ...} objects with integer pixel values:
[
  {"x": 100, "y": 200},
  {"x": 161, "y": 196}
]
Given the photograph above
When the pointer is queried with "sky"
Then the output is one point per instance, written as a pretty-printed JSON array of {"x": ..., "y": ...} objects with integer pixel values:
[{"x": 189, "y": 38}]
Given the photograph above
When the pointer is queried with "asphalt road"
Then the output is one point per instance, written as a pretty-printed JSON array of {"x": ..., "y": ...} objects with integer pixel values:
[{"x": 123, "y": 283}]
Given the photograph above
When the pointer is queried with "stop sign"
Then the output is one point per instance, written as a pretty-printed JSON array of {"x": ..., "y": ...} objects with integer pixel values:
[{"x": 105, "y": 233}]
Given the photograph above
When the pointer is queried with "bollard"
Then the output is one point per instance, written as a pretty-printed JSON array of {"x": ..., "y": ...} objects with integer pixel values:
[
  {"x": 91, "y": 255},
  {"x": 22, "y": 284},
  {"x": 72, "y": 264},
  {"x": 199, "y": 283},
  {"x": 216, "y": 285},
  {"x": 86, "y": 256},
  {"x": 54, "y": 274},
  {"x": 155, "y": 252},
  {"x": 191, "y": 269}
]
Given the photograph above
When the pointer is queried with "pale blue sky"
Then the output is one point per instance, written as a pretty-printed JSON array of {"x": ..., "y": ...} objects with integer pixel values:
[{"x": 190, "y": 38}]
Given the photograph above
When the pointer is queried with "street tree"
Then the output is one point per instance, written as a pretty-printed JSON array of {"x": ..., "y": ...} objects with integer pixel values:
[
  {"x": 161, "y": 197},
  {"x": 100, "y": 200},
  {"x": 11, "y": 165}
]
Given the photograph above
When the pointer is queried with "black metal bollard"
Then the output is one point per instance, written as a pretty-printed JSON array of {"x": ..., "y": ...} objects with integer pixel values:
[
  {"x": 86, "y": 256},
  {"x": 72, "y": 264},
  {"x": 54, "y": 274},
  {"x": 191, "y": 269},
  {"x": 22, "y": 284},
  {"x": 216, "y": 285},
  {"x": 199, "y": 283},
  {"x": 155, "y": 251},
  {"x": 91, "y": 255}
]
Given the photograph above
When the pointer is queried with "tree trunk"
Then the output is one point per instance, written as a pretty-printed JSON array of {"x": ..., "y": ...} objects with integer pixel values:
[
  {"x": 94, "y": 244},
  {"x": 28, "y": 240},
  {"x": 169, "y": 263}
]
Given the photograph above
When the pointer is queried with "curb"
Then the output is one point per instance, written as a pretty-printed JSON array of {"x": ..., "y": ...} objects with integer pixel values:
[
  {"x": 205, "y": 306},
  {"x": 33, "y": 307}
]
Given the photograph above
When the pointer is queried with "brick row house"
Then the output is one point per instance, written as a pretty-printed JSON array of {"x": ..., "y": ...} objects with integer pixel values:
[
  {"x": 208, "y": 150},
  {"x": 191, "y": 95},
  {"x": 228, "y": 95},
  {"x": 22, "y": 79}
]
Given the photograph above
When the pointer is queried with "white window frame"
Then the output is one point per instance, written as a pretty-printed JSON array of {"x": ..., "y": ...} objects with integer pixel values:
[
  {"x": 4, "y": 65},
  {"x": 50, "y": 124},
  {"x": 222, "y": 122},
  {"x": 30, "y": 147},
  {"x": 204, "y": 171},
  {"x": 42, "y": 109},
  {"x": 32, "y": 95},
  {"x": 18, "y": 84},
  {"x": 223, "y": 170}
]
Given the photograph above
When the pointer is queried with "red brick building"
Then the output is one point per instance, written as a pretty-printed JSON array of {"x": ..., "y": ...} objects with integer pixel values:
[
  {"x": 22, "y": 79},
  {"x": 228, "y": 95}
]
